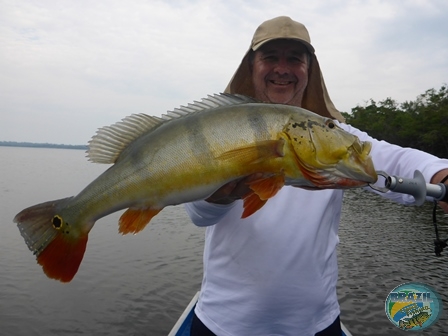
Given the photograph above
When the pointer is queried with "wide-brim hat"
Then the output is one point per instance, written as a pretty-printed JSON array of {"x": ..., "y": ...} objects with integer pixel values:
[{"x": 315, "y": 97}]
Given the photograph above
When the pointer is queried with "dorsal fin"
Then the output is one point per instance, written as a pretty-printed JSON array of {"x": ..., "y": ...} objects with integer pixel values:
[
  {"x": 109, "y": 141},
  {"x": 209, "y": 103}
]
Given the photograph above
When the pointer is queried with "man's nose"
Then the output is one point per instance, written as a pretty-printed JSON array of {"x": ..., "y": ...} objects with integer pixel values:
[{"x": 282, "y": 66}]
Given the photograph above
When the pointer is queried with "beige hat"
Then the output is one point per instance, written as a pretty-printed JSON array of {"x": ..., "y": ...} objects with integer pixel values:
[{"x": 315, "y": 97}]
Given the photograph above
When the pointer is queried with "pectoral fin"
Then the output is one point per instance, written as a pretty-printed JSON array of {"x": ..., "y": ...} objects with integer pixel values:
[
  {"x": 262, "y": 189},
  {"x": 134, "y": 220},
  {"x": 255, "y": 154}
]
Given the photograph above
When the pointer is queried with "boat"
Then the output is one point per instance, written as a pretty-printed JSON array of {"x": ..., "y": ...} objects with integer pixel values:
[{"x": 183, "y": 324}]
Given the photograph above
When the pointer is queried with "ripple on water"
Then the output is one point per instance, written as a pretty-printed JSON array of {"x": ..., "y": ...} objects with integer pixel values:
[{"x": 382, "y": 245}]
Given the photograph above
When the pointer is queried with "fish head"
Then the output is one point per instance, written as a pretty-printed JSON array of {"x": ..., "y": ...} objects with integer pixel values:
[{"x": 328, "y": 156}]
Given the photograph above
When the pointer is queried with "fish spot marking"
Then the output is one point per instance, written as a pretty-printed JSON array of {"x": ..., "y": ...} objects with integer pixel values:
[{"x": 302, "y": 125}]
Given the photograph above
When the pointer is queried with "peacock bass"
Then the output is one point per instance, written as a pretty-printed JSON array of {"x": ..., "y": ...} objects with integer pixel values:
[{"x": 186, "y": 155}]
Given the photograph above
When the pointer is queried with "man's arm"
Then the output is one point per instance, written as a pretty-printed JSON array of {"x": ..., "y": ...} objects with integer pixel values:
[
  {"x": 233, "y": 191},
  {"x": 211, "y": 210},
  {"x": 401, "y": 161}
]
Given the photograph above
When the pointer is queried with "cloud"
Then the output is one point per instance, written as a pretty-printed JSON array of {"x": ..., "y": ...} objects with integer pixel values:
[{"x": 69, "y": 67}]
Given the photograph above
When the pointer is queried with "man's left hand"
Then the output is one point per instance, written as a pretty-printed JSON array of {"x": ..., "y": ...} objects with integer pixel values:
[{"x": 437, "y": 178}]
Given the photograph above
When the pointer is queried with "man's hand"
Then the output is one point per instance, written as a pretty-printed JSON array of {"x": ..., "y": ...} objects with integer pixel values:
[
  {"x": 233, "y": 191},
  {"x": 437, "y": 178}
]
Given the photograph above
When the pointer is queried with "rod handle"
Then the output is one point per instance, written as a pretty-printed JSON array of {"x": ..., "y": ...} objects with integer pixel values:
[{"x": 417, "y": 187}]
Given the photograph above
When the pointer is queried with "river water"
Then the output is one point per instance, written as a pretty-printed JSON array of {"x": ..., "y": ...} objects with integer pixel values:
[{"x": 140, "y": 284}]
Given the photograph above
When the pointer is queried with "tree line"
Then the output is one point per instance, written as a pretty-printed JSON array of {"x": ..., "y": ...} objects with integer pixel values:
[
  {"x": 40, "y": 145},
  {"x": 421, "y": 124}
]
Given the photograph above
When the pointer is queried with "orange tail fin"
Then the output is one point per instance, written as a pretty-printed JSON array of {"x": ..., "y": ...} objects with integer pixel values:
[
  {"x": 59, "y": 247},
  {"x": 61, "y": 259}
]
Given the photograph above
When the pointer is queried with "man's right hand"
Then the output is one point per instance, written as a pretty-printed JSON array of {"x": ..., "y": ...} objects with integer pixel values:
[{"x": 233, "y": 191}]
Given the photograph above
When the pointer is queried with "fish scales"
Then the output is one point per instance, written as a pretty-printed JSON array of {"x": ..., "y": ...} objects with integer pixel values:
[{"x": 186, "y": 155}]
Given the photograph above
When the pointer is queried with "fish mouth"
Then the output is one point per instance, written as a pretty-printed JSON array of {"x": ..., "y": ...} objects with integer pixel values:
[
  {"x": 358, "y": 169},
  {"x": 355, "y": 170}
]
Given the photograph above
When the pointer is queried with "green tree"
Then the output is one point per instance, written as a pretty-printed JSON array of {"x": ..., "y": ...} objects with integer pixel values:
[
  {"x": 430, "y": 116},
  {"x": 421, "y": 124}
]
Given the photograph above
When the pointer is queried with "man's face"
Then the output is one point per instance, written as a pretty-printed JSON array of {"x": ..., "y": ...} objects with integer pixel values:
[{"x": 280, "y": 72}]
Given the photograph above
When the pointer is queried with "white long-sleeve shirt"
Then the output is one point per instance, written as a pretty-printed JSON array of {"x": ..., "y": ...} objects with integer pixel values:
[{"x": 275, "y": 272}]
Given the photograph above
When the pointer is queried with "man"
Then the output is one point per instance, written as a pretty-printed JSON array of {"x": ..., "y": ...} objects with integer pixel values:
[{"x": 275, "y": 272}]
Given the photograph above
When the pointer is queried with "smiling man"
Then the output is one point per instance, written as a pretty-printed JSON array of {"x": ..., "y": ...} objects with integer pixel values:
[
  {"x": 275, "y": 272},
  {"x": 280, "y": 71}
]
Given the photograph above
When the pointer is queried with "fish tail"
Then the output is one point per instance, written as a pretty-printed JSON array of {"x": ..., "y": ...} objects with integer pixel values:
[{"x": 58, "y": 245}]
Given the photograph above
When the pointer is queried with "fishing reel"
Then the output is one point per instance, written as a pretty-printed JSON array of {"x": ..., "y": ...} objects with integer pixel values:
[{"x": 420, "y": 190}]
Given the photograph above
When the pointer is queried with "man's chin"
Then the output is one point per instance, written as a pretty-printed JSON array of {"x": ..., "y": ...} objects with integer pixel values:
[{"x": 280, "y": 98}]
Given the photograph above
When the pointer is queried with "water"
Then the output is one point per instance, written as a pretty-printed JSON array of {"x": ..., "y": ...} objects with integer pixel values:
[
  {"x": 383, "y": 245},
  {"x": 140, "y": 284}
]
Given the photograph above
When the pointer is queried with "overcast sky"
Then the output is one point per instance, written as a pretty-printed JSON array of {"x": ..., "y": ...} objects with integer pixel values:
[{"x": 70, "y": 67}]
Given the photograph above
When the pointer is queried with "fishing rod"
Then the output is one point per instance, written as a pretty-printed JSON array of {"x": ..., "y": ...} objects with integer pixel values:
[{"x": 420, "y": 190}]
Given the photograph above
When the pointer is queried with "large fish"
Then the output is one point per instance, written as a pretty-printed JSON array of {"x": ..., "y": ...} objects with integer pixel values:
[{"x": 187, "y": 155}]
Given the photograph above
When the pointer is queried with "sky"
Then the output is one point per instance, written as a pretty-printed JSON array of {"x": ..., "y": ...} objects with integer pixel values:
[{"x": 68, "y": 68}]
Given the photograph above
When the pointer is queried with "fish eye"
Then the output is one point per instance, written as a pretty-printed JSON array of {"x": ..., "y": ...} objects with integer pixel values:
[{"x": 331, "y": 124}]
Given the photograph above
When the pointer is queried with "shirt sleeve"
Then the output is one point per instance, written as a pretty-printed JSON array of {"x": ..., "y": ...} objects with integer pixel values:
[
  {"x": 399, "y": 161},
  {"x": 203, "y": 213}
]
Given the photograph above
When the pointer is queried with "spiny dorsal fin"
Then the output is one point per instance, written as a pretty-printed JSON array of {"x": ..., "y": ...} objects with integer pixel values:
[
  {"x": 109, "y": 141},
  {"x": 209, "y": 103}
]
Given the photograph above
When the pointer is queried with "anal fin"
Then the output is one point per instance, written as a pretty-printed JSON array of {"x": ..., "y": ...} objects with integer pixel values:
[{"x": 134, "y": 220}]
